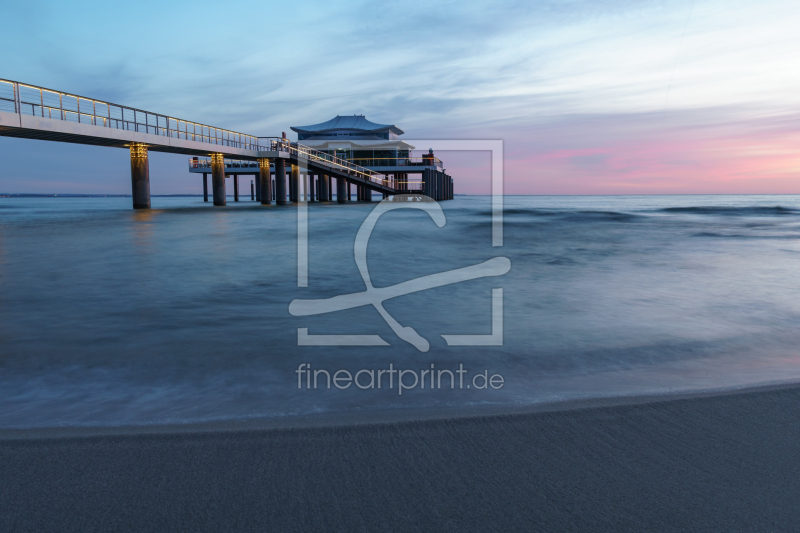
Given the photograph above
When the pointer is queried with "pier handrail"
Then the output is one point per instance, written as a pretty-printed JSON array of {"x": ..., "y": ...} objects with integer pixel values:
[
  {"x": 25, "y": 99},
  {"x": 308, "y": 153},
  {"x": 197, "y": 162},
  {"x": 399, "y": 161},
  {"x": 317, "y": 156},
  {"x": 359, "y": 171}
]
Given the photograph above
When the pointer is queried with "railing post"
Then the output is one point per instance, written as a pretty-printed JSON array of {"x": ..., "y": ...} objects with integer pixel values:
[{"x": 17, "y": 100}]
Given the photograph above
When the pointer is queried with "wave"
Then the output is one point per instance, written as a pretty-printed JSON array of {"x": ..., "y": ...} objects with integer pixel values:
[
  {"x": 791, "y": 236},
  {"x": 721, "y": 235},
  {"x": 617, "y": 216},
  {"x": 606, "y": 215},
  {"x": 524, "y": 211},
  {"x": 732, "y": 211}
]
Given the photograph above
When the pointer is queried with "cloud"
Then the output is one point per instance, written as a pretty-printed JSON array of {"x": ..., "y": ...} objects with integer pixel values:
[{"x": 595, "y": 79}]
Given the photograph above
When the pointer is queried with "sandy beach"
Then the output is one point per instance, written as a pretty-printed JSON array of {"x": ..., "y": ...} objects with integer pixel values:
[{"x": 724, "y": 462}]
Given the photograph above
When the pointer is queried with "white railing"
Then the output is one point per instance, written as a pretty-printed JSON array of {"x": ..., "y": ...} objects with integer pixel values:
[
  {"x": 27, "y": 99},
  {"x": 36, "y": 101},
  {"x": 205, "y": 163},
  {"x": 307, "y": 153},
  {"x": 339, "y": 163},
  {"x": 276, "y": 144}
]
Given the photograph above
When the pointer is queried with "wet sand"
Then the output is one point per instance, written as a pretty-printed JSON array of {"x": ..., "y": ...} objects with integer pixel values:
[{"x": 726, "y": 462}]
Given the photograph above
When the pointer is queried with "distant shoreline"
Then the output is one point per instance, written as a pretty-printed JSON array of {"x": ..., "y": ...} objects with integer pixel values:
[
  {"x": 29, "y": 195},
  {"x": 71, "y": 195}
]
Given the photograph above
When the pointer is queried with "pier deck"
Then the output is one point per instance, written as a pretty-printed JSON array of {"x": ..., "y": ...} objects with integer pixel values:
[{"x": 32, "y": 112}]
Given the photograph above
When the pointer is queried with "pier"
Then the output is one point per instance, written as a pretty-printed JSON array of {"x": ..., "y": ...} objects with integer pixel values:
[{"x": 283, "y": 171}]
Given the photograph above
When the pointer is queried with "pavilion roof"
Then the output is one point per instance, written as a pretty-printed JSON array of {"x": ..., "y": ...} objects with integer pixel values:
[{"x": 347, "y": 122}]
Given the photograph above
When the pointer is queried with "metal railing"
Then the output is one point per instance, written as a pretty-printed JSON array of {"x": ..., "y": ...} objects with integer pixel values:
[
  {"x": 408, "y": 185},
  {"x": 307, "y": 153},
  {"x": 398, "y": 161},
  {"x": 205, "y": 163},
  {"x": 330, "y": 160},
  {"x": 36, "y": 101}
]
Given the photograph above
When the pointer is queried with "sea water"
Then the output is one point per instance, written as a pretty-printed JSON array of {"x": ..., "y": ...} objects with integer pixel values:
[{"x": 110, "y": 316}]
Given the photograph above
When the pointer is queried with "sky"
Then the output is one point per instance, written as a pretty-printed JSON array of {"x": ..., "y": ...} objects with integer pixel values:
[{"x": 589, "y": 97}]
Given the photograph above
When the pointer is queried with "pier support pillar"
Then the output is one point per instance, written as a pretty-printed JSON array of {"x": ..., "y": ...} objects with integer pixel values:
[
  {"x": 236, "y": 187},
  {"x": 280, "y": 181},
  {"x": 205, "y": 186},
  {"x": 140, "y": 176},
  {"x": 264, "y": 182},
  {"x": 325, "y": 188},
  {"x": 294, "y": 184},
  {"x": 218, "y": 179},
  {"x": 312, "y": 187},
  {"x": 257, "y": 180},
  {"x": 340, "y": 191},
  {"x": 252, "y": 191}
]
